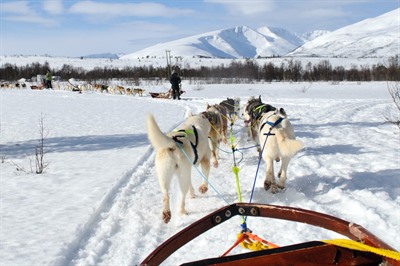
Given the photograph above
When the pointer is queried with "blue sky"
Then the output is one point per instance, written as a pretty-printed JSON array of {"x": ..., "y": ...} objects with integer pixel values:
[{"x": 78, "y": 28}]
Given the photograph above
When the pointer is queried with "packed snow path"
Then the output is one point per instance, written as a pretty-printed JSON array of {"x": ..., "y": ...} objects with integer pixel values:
[
  {"x": 128, "y": 225},
  {"x": 99, "y": 202}
]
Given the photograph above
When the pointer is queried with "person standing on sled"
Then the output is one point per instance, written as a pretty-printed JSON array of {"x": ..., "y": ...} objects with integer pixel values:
[
  {"x": 48, "y": 79},
  {"x": 175, "y": 85}
]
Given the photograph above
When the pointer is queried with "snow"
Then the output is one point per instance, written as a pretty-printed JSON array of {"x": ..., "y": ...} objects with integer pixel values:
[
  {"x": 374, "y": 37},
  {"x": 98, "y": 201}
]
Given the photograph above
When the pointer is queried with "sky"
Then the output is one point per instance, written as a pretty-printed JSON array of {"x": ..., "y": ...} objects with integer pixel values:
[{"x": 80, "y": 28}]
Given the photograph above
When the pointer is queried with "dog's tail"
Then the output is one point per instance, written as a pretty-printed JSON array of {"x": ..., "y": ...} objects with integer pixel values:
[
  {"x": 288, "y": 146},
  {"x": 156, "y": 137}
]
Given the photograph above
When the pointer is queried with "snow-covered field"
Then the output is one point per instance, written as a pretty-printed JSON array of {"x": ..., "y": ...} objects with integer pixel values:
[{"x": 98, "y": 201}]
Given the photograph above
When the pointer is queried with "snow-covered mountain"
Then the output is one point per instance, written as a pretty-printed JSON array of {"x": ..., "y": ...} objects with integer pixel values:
[
  {"x": 375, "y": 37},
  {"x": 237, "y": 42},
  {"x": 104, "y": 55}
]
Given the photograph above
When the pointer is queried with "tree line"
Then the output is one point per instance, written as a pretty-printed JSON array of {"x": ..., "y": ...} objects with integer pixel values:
[{"x": 236, "y": 72}]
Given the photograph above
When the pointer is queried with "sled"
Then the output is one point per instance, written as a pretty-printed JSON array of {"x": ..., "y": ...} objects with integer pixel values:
[
  {"x": 164, "y": 95},
  {"x": 373, "y": 252}
]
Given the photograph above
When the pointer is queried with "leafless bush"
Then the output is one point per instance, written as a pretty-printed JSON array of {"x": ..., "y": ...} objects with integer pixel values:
[
  {"x": 41, "y": 164},
  {"x": 305, "y": 88},
  {"x": 394, "y": 91},
  {"x": 19, "y": 168},
  {"x": 198, "y": 87}
]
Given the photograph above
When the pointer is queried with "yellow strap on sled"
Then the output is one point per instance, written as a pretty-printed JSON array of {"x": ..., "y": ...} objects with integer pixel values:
[
  {"x": 354, "y": 245},
  {"x": 251, "y": 245}
]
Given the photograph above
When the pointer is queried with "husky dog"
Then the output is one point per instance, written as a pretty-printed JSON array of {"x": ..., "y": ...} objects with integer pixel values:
[
  {"x": 232, "y": 106},
  {"x": 177, "y": 152},
  {"x": 252, "y": 113},
  {"x": 279, "y": 143},
  {"x": 217, "y": 132},
  {"x": 224, "y": 117}
]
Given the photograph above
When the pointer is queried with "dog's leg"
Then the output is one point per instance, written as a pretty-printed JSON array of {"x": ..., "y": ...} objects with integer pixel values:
[
  {"x": 214, "y": 150},
  {"x": 184, "y": 184},
  {"x": 254, "y": 136},
  {"x": 269, "y": 181},
  {"x": 164, "y": 180},
  {"x": 282, "y": 172},
  {"x": 205, "y": 169}
]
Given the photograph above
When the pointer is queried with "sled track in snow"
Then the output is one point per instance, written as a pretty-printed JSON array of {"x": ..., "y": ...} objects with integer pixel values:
[{"x": 94, "y": 229}]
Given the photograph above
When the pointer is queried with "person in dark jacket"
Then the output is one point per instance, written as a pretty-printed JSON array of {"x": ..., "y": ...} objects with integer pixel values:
[
  {"x": 175, "y": 85},
  {"x": 48, "y": 79}
]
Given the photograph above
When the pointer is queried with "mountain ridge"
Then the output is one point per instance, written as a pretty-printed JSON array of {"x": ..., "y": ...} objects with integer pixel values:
[{"x": 372, "y": 37}]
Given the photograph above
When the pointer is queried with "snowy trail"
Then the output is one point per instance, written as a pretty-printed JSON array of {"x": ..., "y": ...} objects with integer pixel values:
[
  {"x": 127, "y": 231},
  {"x": 92, "y": 239},
  {"x": 127, "y": 226},
  {"x": 118, "y": 226}
]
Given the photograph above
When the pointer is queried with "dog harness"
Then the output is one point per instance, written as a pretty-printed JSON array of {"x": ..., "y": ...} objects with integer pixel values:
[
  {"x": 194, "y": 146},
  {"x": 272, "y": 125}
]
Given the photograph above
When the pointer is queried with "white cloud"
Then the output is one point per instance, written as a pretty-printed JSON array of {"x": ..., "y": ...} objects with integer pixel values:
[
  {"x": 127, "y": 9},
  {"x": 20, "y": 11},
  {"x": 53, "y": 7},
  {"x": 324, "y": 13},
  {"x": 35, "y": 19},
  {"x": 17, "y": 7},
  {"x": 244, "y": 7}
]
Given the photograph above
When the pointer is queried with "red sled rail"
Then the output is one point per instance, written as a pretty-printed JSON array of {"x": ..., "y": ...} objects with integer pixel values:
[{"x": 309, "y": 253}]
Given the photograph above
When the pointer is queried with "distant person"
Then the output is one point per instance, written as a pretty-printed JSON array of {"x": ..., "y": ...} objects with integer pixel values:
[
  {"x": 175, "y": 85},
  {"x": 48, "y": 79}
]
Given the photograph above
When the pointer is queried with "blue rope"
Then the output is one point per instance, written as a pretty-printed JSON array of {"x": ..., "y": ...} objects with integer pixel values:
[
  {"x": 201, "y": 174},
  {"x": 258, "y": 168}
]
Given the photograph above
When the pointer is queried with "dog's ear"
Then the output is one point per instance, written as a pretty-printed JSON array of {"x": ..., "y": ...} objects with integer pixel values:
[{"x": 282, "y": 112}]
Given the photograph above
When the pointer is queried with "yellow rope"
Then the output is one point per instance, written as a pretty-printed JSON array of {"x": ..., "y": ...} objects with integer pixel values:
[
  {"x": 252, "y": 245},
  {"x": 354, "y": 245}
]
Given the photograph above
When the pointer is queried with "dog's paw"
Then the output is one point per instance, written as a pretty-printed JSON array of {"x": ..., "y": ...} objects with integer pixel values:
[
  {"x": 274, "y": 189},
  {"x": 215, "y": 164},
  {"x": 203, "y": 189},
  {"x": 166, "y": 216},
  {"x": 267, "y": 185}
]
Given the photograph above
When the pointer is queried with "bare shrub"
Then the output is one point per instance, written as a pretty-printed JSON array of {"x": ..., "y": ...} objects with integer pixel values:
[
  {"x": 305, "y": 88},
  {"x": 41, "y": 164},
  {"x": 394, "y": 91}
]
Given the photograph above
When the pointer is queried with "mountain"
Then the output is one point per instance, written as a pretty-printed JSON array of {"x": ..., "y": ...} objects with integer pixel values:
[
  {"x": 237, "y": 42},
  {"x": 104, "y": 55},
  {"x": 374, "y": 37}
]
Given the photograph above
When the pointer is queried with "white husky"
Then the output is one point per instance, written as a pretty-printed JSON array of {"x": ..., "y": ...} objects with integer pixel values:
[
  {"x": 177, "y": 152},
  {"x": 279, "y": 143}
]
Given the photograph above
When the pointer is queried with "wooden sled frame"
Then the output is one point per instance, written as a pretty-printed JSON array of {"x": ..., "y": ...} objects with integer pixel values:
[{"x": 285, "y": 255}]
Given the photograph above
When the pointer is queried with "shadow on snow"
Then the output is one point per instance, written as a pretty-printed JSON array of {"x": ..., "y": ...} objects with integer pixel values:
[{"x": 75, "y": 144}]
